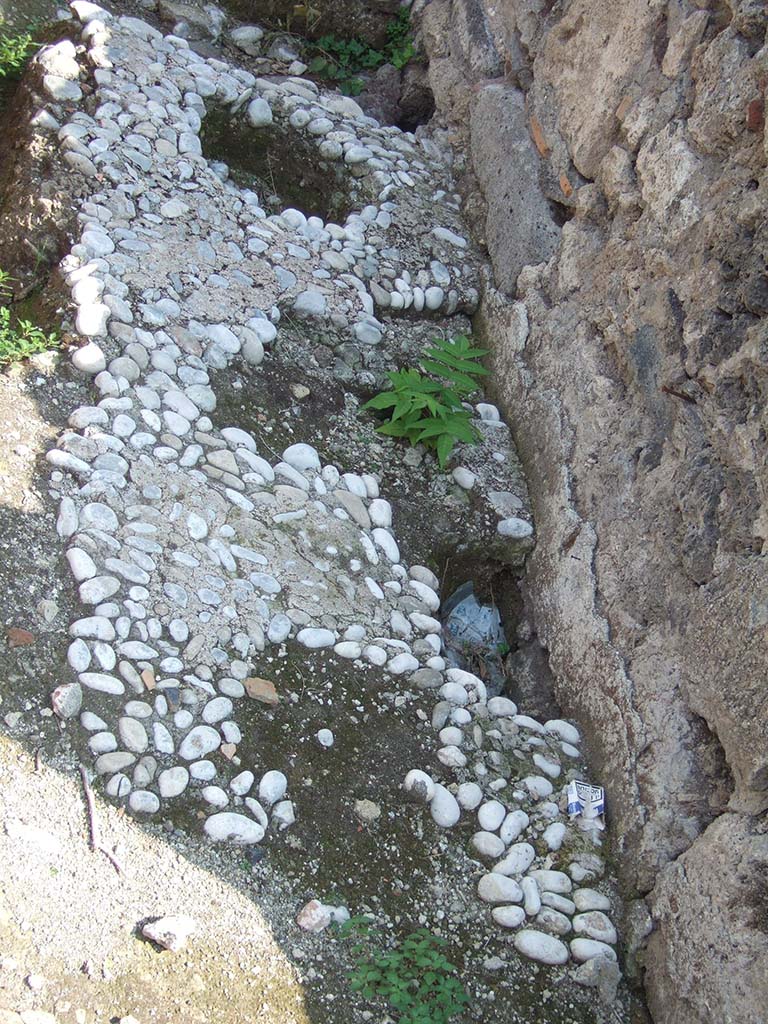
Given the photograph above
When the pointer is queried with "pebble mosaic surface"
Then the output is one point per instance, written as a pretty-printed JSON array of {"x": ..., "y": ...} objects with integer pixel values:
[{"x": 191, "y": 550}]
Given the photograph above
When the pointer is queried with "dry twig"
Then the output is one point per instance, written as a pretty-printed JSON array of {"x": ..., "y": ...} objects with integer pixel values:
[{"x": 96, "y": 843}]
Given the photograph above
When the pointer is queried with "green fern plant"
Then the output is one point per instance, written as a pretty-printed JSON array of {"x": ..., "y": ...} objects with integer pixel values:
[
  {"x": 414, "y": 977},
  {"x": 428, "y": 411}
]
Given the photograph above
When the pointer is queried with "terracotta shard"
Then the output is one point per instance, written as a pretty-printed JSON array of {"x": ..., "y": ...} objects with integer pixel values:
[
  {"x": 18, "y": 637},
  {"x": 755, "y": 115},
  {"x": 261, "y": 690},
  {"x": 148, "y": 677},
  {"x": 538, "y": 137}
]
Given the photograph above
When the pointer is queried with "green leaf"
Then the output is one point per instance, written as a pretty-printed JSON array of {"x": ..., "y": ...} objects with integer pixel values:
[
  {"x": 474, "y": 353},
  {"x": 463, "y": 383},
  {"x": 444, "y": 448},
  {"x": 459, "y": 346},
  {"x": 403, "y": 409},
  {"x": 454, "y": 426},
  {"x": 395, "y": 429},
  {"x": 401, "y": 57},
  {"x": 414, "y": 382},
  {"x": 447, "y": 369},
  {"x": 371, "y": 59},
  {"x": 352, "y": 87},
  {"x": 456, "y": 361},
  {"x": 381, "y": 401},
  {"x": 433, "y": 428}
]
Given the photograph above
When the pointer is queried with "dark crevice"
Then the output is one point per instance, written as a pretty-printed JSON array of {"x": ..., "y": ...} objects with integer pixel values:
[
  {"x": 409, "y": 122},
  {"x": 279, "y": 165},
  {"x": 417, "y": 101},
  {"x": 561, "y": 213},
  {"x": 714, "y": 766},
  {"x": 661, "y": 39}
]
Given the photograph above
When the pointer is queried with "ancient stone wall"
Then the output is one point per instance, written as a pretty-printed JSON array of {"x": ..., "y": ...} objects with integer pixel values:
[{"x": 615, "y": 167}]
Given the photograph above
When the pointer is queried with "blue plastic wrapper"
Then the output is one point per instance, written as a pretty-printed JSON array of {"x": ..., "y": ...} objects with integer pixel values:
[{"x": 474, "y": 639}]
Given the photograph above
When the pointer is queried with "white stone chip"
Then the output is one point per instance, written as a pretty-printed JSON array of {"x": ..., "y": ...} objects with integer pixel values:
[
  {"x": 171, "y": 932},
  {"x": 444, "y": 808},
  {"x": 315, "y": 638},
  {"x": 272, "y": 787},
  {"x": 546, "y": 949},
  {"x": 228, "y": 827},
  {"x": 493, "y": 888},
  {"x": 589, "y": 949},
  {"x": 508, "y": 917}
]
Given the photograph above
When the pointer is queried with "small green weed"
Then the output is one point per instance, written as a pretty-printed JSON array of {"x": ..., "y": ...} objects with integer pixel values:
[
  {"x": 15, "y": 51},
  {"x": 5, "y": 286},
  {"x": 342, "y": 60},
  {"x": 399, "y": 48},
  {"x": 414, "y": 977},
  {"x": 428, "y": 411},
  {"x": 19, "y": 339},
  {"x": 22, "y": 339}
]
